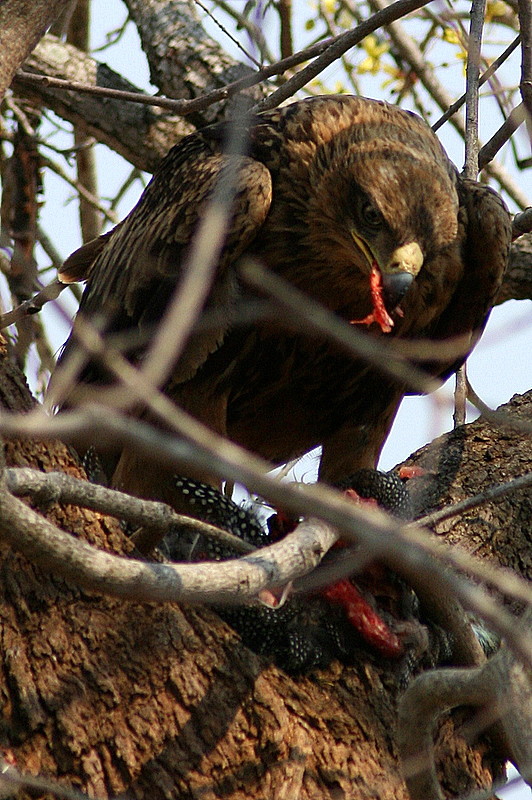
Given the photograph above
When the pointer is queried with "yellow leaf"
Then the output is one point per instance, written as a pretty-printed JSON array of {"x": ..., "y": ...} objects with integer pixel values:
[
  {"x": 372, "y": 46},
  {"x": 495, "y": 8},
  {"x": 451, "y": 36}
]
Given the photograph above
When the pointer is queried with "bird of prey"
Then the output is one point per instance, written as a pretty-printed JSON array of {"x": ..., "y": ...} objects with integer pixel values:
[{"x": 353, "y": 202}]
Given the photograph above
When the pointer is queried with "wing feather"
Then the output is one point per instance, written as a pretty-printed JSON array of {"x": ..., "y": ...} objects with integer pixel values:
[{"x": 132, "y": 270}]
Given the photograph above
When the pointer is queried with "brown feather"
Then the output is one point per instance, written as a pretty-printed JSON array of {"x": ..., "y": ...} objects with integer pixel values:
[{"x": 320, "y": 176}]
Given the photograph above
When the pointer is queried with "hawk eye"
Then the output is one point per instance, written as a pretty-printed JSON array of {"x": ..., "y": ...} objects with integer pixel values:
[{"x": 370, "y": 216}]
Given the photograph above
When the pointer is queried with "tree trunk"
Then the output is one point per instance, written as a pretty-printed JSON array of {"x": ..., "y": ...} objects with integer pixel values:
[{"x": 164, "y": 701}]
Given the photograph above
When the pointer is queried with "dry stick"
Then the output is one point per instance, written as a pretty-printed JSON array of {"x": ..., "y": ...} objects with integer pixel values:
[
  {"x": 253, "y": 31},
  {"x": 48, "y": 487},
  {"x": 488, "y": 152},
  {"x": 314, "y": 315},
  {"x": 411, "y": 52},
  {"x": 493, "y": 67},
  {"x": 498, "y": 418},
  {"x": 33, "y": 305},
  {"x": 389, "y": 360},
  {"x": 78, "y": 35},
  {"x": 525, "y": 25},
  {"x": 337, "y": 49},
  {"x": 12, "y": 782},
  {"x": 57, "y": 487},
  {"x": 185, "y": 107},
  {"x": 231, "y": 582},
  {"x": 471, "y": 158},
  {"x": 492, "y": 493},
  {"x": 407, "y": 552},
  {"x": 80, "y": 189},
  {"x": 227, "y": 33},
  {"x": 199, "y": 271}
]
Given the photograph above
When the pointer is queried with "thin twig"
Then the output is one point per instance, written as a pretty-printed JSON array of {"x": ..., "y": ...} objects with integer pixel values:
[
  {"x": 199, "y": 270},
  {"x": 338, "y": 47},
  {"x": 32, "y": 305},
  {"x": 80, "y": 189},
  {"x": 233, "y": 581},
  {"x": 478, "y": 9},
  {"x": 493, "y": 67},
  {"x": 525, "y": 25},
  {"x": 492, "y": 493},
  {"x": 47, "y": 487},
  {"x": 253, "y": 31},
  {"x": 12, "y": 781},
  {"x": 317, "y": 318},
  {"x": 471, "y": 159},
  {"x": 227, "y": 33},
  {"x": 488, "y": 152}
]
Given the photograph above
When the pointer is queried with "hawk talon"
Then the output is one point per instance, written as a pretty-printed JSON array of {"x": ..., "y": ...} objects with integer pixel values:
[{"x": 270, "y": 599}]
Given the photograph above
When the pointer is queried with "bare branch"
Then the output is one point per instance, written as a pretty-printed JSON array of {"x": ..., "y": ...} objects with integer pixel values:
[
  {"x": 493, "y": 67},
  {"x": 501, "y": 687},
  {"x": 172, "y": 36},
  {"x": 492, "y": 493},
  {"x": 285, "y": 19},
  {"x": 227, "y": 33},
  {"x": 57, "y": 487},
  {"x": 316, "y": 318},
  {"x": 525, "y": 25},
  {"x": 90, "y": 219},
  {"x": 253, "y": 31},
  {"x": 141, "y": 135},
  {"x": 407, "y": 551},
  {"x": 84, "y": 193},
  {"x": 33, "y": 305},
  {"x": 12, "y": 781},
  {"x": 470, "y": 170},
  {"x": 478, "y": 9},
  {"x": 338, "y": 47},
  {"x": 199, "y": 271},
  {"x": 231, "y": 581},
  {"x": 508, "y": 128}
]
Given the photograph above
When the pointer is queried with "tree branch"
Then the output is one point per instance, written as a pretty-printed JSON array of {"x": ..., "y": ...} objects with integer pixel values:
[{"x": 22, "y": 23}]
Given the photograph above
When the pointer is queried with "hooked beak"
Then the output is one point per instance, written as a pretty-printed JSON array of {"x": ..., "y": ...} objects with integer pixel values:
[
  {"x": 394, "y": 287},
  {"x": 398, "y": 274}
]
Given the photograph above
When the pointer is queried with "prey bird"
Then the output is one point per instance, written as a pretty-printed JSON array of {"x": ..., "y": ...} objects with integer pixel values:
[{"x": 353, "y": 202}]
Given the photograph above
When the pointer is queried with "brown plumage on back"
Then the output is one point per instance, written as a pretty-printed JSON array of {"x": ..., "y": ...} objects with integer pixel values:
[{"x": 336, "y": 194}]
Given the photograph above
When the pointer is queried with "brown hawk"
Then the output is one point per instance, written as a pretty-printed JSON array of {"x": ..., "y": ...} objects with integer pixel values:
[{"x": 355, "y": 203}]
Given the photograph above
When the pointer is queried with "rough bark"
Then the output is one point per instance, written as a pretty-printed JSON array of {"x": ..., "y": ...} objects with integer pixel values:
[
  {"x": 165, "y": 702},
  {"x": 468, "y": 460},
  {"x": 517, "y": 283},
  {"x": 184, "y": 61},
  {"x": 141, "y": 134},
  {"x": 22, "y": 23}
]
